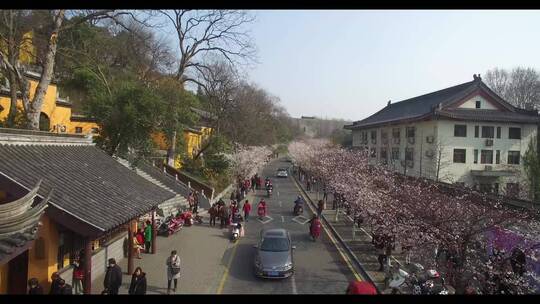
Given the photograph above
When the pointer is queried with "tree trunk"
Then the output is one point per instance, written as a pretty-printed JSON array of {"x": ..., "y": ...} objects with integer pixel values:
[
  {"x": 48, "y": 67},
  {"x": 13, "y": 106},
  {"x": 172, "y": 150}
]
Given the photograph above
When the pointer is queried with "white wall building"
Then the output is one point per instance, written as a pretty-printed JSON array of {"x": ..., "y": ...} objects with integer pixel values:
[{"x": 463, "y": 134}]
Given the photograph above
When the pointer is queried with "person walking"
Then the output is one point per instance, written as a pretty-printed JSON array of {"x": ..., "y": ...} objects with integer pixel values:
[
  {"x": 113, "y": 278},
  {"x": 325, "y": 194},
  {"x": 138, "y": 282},
  {"x": 309, "y": 184},
  {"x": 173, "y": 271},
  {"x": 34, "y": 288},
  {"x": 320, "y": 208},
  {"x": 233, "y": 195},
  {"x": 379, "y": 245},
  {"x": 247, "y": 209},
  {"x": 55, "y": 279},
  {"x": 223, "y": 216},
  {"x": 148, "y": 231},
  {"x": 253, "y": 183}
]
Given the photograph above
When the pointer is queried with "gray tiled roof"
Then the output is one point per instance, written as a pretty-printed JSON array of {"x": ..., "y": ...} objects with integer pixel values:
[
  {"x": 488, "y": 115},
  {"x": 87, "y": 182},
  {"x": 427, "y": 104},
  {"x": 11, "y": 244},
  {"x": 414, "y": 107}
]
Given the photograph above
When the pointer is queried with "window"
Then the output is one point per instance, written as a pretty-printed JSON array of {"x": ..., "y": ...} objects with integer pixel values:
[
  {"x": 478, "y": 103},
  {"x": 498, "y": 132},
  {"x": 384, "y": 136},
  {"x": 512, "y": 189},
  {"x": 410, "y": 131},
  {"x": 476, "y": 131},
  {"x": 44, "y": 122},
  {"x": 487, "y": 132},
  {"x": 395, "y": 133},
  {"x": 475, "y": 156},
  {"x": 514, "y": 133},
  {"x": 363, "y": 137},
  {"x": 373, "y": 152},
  {"x": 498, "y": 157},
  {"x": 459, "y": 156},
  {"x": 78, "y": 129},
  {"x": 486, "y": 157},
  {"x": 513, "y": 157},
  {"x": 395, "y": 153},
  {"x": 374, "y": 136},
  {"x": 384, "y": 153},
  {"x": 460, "y": 130},
  {"x": 409, "y": 154}
]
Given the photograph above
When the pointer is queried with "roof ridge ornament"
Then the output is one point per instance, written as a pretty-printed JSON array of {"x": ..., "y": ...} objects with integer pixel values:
[
  {"x": 477, "y": 77},
  {"x": 389, "y": 102}
]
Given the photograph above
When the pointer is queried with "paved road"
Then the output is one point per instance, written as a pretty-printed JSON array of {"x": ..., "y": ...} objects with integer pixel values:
[{"x": 319, "y": 266}]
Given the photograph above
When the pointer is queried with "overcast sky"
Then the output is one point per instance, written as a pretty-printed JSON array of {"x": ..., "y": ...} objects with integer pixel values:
[{"x": 348, "y": 64}]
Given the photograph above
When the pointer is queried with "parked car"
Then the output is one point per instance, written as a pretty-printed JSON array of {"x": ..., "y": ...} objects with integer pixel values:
[
  {"x": 282, "y": 172},
  {"x": 274, "y": 256}
]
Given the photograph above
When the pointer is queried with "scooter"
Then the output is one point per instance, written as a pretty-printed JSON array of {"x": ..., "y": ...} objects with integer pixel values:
[
  {"x": 298, "y": 209},
  {"x": 269, "y": 191},
  {"x": 424, "y": 284},
  {"x": 315, "y": 232},
  {"x": 170, "y": 226},
  {"x": 235, "y": 232}
]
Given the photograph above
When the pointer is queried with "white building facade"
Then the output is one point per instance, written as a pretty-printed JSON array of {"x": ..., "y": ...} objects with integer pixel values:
[{"x": 465, "y": 134}]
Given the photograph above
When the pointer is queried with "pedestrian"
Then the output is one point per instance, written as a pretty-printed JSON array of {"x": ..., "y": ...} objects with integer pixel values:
[
  {"x": 223, "y": 216},
  {"x": 173, "y": 270},
  {"x": 34, "y": 288},
  {"x": 309, "y": 184},
  {"x": 148, "y": 231},
  {"x": 196, "y": 205},
  {"x": 136, "y": 245},
  {"x": 140, "y": 237},
  {"x": 238, "y": 196},
  {"x": 55, "y": 279},
  {"x": 379, "y": 245},
  {"x": 113, "y": 278},
  {"x": 389, "y": 246},
  {"x": 64, "y": 288},
  {"x": 253, "y": 183},
  {"x": 247, "y": 209},
  {"x": 325, "y": 194},
  {"x": 213, "y": 213},
  {"x": 259, "y": 182},
  {"x": 407, "y": 249},
  {"x": 78, "y": 276},
  {"x": 320, "y": 207},
  {"x": 138, "y": 282},
  {"x": 233, "y": 195}
]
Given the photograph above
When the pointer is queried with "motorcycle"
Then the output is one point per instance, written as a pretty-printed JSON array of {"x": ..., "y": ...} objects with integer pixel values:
[
  {"x": 261, "y": 212},
  {"x": 426, "y": 283},
  {"x": 170, "y": 226},
  {"x": 298, "y": 209}
]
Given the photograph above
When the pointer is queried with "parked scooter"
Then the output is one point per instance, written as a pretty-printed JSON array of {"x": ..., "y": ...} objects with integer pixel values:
[
  {"x": 235, "y": 231},
  {"x": 427, "y": 282},
  {"x": 170, "y": 226},
  {"x": 298, "y": 209}
]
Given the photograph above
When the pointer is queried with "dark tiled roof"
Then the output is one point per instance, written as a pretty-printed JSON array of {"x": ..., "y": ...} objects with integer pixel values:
[
  {"x": 88, "y": 183},
  {"x": 15, "y": 242},
  {"x": 417, "y": 106},
  {"x": 487, "y": 115}
]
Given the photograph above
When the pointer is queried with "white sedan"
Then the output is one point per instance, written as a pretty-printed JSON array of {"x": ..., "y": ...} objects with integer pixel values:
[{"x": 282, "y": 173}]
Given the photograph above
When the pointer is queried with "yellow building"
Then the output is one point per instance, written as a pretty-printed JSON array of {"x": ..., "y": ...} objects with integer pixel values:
[{"x": 56, "y": 115}]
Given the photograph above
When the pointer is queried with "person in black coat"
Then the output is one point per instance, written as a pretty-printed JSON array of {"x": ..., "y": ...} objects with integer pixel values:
[
  {"x": 34, "y": 287},
  {"x": 55, "y": 289},
  {"x": 138, "y": 282},
  {"x": 113, "y": 278},
  {"x": 64, "y": 289}
]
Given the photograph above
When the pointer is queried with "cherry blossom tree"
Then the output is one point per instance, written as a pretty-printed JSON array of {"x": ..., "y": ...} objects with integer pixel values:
[
  {"x": 248, "y": 160},
  {"x": 431, "y": 217}
]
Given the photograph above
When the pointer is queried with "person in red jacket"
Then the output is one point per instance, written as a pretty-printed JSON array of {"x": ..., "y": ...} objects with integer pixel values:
[
  {"x": 247, "y": 209},
  {"x": 261, "y": 209}
]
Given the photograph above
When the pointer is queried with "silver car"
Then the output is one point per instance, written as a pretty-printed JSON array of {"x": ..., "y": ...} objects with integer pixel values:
[
  {"x": 274, "y": 256},
  {"x": 281, "y": 172}
]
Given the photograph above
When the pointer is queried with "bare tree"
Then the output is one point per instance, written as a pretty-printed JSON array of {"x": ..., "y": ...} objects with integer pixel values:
[
  {"x": 520, "y": 87},
  {"x": 201, "y": 33},
  {"x": 10, "y": 63}
]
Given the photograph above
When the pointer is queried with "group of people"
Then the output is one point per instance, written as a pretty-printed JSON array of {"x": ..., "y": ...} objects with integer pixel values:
[
  {"x": 193, "y": 200},
  {"x": 142, "y": 239}
]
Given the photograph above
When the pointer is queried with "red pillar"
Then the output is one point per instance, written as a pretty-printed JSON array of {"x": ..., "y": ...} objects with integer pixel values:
[
  {"x": 154, "y": 234},
  {"x": 88, "y": 266},
  {"x": 130, "y": 247}
]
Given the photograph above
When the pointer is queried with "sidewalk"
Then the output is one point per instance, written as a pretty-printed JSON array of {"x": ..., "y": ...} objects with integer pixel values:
[{"x": 203, "y": 253}]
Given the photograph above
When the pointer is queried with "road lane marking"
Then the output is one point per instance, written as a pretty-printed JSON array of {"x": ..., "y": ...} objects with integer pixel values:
[
  {"x": 293, "y": 283},
  {"x": 226, "y": 273},
  {"x": 280, "y": 203},
  {"x": 302, "y": 220},
  {"x": 266, "y": 220},
  {"x": 282, "y": 219},
  {"x": 345, "y": 258}
]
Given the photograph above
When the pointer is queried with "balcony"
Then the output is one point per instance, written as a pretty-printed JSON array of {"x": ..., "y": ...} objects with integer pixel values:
[{"x": 490, "y": 172}]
